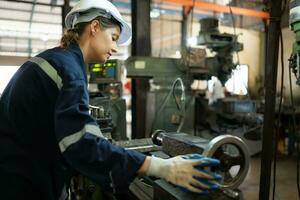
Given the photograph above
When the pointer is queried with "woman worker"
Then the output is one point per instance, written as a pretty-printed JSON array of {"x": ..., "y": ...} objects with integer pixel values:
[{"x": 45, "y": 127}]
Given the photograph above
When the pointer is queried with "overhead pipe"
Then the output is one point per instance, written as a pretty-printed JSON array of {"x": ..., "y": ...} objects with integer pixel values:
[{"x": 206, "y": 6}]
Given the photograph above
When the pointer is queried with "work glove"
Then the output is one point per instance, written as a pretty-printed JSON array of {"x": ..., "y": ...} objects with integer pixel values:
[{"x": 186, "y": 171}]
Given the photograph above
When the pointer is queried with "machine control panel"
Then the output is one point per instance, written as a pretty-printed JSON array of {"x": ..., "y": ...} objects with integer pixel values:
[{"x": 109, "y": 72}]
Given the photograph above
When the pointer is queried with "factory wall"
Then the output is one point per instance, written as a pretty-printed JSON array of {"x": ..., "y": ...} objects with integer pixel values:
[
  {"x": 165, "y": 38},
  {"x": 12, "y": 60},
  {"x": 252, "y": 55}
]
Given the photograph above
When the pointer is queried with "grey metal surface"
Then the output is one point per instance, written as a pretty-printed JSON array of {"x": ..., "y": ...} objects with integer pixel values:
[
  {"x": 166, "y": 191},
  {"x": 144, "y": 145},
  {"x": 145, "y": 188},
  {"x": 141, "y": 189}
]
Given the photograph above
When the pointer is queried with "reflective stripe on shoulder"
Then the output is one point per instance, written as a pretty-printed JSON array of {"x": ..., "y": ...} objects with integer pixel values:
[
  {"x": 71, "y": 139},
  {"x": 48, "y": 69}
]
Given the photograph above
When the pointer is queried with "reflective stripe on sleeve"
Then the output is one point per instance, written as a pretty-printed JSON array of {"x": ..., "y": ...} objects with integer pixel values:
[
  {"x": 71, "y": 139},
  {"x": 48, "y": 69}
]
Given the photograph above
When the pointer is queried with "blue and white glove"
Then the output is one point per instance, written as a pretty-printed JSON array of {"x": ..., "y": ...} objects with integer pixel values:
[
  {"x": 186, "y": 172},
  {"x": 210, "y": 162}
]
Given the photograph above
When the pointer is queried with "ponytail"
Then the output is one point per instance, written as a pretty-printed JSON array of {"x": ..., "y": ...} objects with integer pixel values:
[{"x": 72, "y": 35}]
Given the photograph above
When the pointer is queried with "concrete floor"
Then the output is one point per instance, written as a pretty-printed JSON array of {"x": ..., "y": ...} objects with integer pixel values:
[{"x": 286, "y": 182}]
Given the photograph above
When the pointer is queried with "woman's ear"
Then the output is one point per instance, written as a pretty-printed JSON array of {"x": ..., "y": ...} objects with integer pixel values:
[{"x": 94, "y": 27}]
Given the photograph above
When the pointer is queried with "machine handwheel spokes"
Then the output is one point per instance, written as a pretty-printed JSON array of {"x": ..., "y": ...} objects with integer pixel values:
[{"x": 234, "y": 159}]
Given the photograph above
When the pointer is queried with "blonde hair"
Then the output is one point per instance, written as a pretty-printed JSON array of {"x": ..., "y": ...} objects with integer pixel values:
[{"x": 74, "y": 34}]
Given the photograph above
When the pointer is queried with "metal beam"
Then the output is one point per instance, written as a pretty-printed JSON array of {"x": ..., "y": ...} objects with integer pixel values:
[
  {"x": 184, "y": 27},
  {"x": 30, "y": 2},
  {"x": 141, "y": 46},
  {"x": 33, "y": 21},
  {"x": 270, "y": 88},
  {"x": 29, "y": 28},
  {"x": 201, "y": 5},
  {"x": 27, "y": 11},
  {"x": 64, "y": 11},
  {"x": 141, "y": 40}
]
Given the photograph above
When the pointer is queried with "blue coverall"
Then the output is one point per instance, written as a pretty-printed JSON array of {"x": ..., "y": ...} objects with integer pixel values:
[{"x": 46, "y": 130}]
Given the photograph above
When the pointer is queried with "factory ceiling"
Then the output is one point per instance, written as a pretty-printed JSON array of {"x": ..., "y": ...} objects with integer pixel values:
[{"x": 30, "y": 26}]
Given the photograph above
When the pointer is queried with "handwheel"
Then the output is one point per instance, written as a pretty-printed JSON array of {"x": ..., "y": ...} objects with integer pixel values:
[{"x": 234, "y": 159}]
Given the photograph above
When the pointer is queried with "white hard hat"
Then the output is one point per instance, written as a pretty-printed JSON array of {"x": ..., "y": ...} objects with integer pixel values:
[{"x": 87, "y": 10}]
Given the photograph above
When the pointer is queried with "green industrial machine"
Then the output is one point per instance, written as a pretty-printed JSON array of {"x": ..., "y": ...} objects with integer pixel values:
[
  {"x": 178, "y": 112},
  {"x": 295, "y": 26},
  {"x": 223, "y": 44},
  {"x": 165, "y": 106}
]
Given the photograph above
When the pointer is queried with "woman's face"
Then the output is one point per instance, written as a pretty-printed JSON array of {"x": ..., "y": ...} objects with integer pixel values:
[{"x": 103, "y": 43}]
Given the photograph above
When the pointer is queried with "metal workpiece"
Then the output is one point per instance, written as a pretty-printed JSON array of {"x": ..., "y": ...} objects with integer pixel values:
[
  {"x": 230, "y": 150},
  {"x": 175, "y": 144}
]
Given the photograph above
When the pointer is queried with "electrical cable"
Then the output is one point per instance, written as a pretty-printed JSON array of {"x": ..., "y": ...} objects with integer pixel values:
[
  {"x": 181, "y": 107},
  {"x": 166, "y": 99}
]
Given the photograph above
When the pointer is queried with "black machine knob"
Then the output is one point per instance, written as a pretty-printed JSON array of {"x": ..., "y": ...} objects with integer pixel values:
[{"x": 157, "y": 136}]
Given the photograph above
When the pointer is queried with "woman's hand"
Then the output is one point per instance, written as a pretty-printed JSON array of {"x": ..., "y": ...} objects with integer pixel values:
[{"x": 185, "y": 171}]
